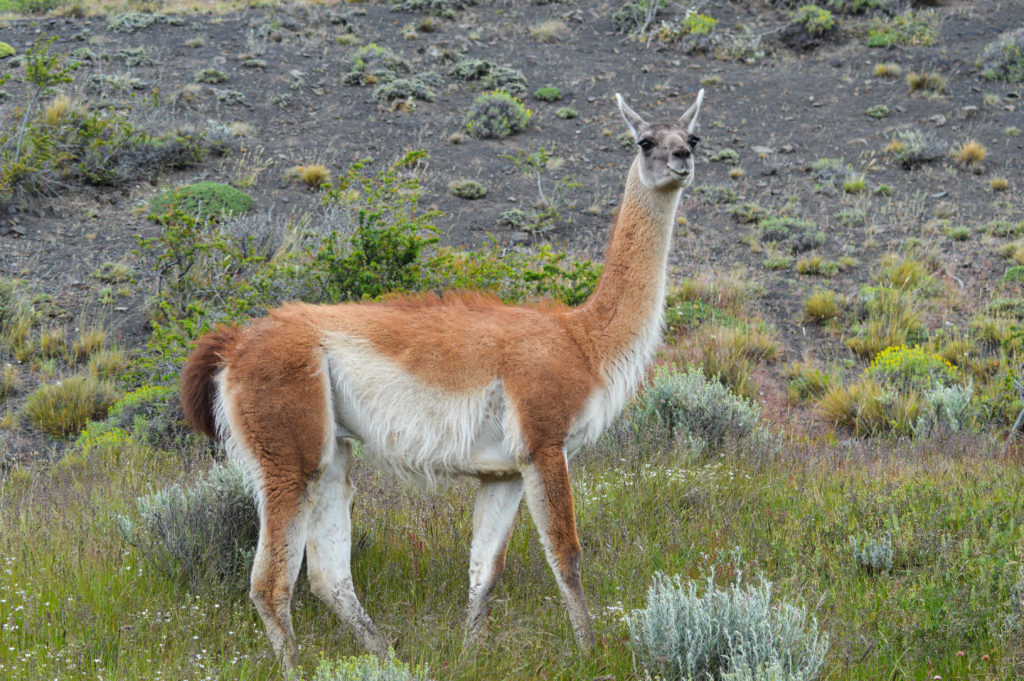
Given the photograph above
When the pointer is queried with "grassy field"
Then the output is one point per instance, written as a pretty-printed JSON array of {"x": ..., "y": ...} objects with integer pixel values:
[{"x": 79, "y": 603}]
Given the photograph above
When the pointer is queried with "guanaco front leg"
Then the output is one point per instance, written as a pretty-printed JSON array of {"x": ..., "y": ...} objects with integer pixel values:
[
  {"x": 497, "y": 502},
  {"x": 549, "y": 498}
]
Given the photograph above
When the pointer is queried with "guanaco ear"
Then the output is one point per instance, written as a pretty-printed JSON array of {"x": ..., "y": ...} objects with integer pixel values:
[
  {"x": 631, "y": 117},
  {"x": 689, "y": 119}
]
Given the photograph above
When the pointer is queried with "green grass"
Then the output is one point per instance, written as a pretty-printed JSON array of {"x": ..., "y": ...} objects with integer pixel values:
[{"x": 80, "y": 604}]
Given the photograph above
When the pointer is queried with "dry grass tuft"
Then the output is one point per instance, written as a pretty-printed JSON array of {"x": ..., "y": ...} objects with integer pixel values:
[
  {"x": 927, "y": 82},
  {"x": 970, "y": 152},
  {"x": 888, "y": 70},
  {"x": 822, "y": 305},
  {"x": 90, "y": 341},
  {"x": 549, "y": 31},
  {"x": 314, "y": 175}
]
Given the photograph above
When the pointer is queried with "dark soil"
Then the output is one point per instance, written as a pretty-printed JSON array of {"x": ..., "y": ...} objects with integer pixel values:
[{"x": 803, "y": 100}]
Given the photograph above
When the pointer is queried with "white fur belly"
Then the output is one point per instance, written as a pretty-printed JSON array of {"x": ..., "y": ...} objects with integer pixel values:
[{"x": 415, "y": 428}]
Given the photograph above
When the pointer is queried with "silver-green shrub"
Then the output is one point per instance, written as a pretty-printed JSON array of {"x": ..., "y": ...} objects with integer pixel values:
[
  {"x": 945, "y": 410},
  {"x": 367, "y": 668},
  {"x": 871, "y": 554},
  {"x": 192, "y": 534},
  {"x": 1003, "y": 58},
  {"x": 686, "y": 404},
  {"x": 496, "y": 114},
  {"x": 724, "y": 633}
]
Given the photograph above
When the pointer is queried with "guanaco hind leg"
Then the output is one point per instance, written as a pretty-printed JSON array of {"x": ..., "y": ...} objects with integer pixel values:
[
  {"x": 329, "y": 547},
  {"x": 497, "y": 502},
  {"x": 549, "y": 498},
  {"x": 276, "y": 566}
]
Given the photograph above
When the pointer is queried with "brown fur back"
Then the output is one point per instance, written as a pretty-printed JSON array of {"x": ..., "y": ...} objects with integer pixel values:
[{"x": 197, "y": 386}]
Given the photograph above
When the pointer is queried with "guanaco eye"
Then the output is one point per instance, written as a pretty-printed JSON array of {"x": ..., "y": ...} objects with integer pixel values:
[
  {"x": 646, "y": 144},
  {"x": 693, "y": 141}
]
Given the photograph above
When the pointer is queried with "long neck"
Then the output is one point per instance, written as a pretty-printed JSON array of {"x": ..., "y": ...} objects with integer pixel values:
[{"x": 621, "y": 322}]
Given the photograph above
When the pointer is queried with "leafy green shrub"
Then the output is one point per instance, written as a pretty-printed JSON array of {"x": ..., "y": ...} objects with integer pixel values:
[
  {"x": 699, "y": 24},
  {"x": 197, "y": 533},
  {"x": 367, "y": 668},
  {"x": 547, "y": 94},
  {"x": 497, "y": 114},
  {"x": 154, "y": 416},
  {"x": 690, "y": 406},
  {"x": 910, "y": 367},
  {"x": 873, "y": 555},
  {"x": 909, "y": 28},
  {"x": 467, "y": 189},
  {"x": 566, "y": 113},
  {"x": 817, "y": 21},
  {"x": 5, "y": 50},
  {"x": 202, "y": 201},
  {"x": 1003, "y": 58},
  {"x": 734, "y": 632},
  {"x": 64, "y": 408}
]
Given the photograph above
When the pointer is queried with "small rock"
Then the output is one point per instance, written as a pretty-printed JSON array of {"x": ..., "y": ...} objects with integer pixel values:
[
  {"x": 762, "y": 150},
  {"x": 938, "y": 119},
  {"x": 787, "y": 148},
  {"x": 969, "y": 111},
  {"x": 939, "y": 195}
]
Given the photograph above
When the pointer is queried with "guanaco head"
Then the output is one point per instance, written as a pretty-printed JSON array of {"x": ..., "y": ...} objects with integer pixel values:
[{"x": 666, "y": 149}]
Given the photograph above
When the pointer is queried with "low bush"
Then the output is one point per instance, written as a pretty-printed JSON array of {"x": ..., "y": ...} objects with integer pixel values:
[
  {"x": 467, "y": 189},
  {"x": 497, "y": 114},
  {"x": 909, "y": 28},
  {"x": 197, "y": 533},
  {"x": 547, "y": 94},
  {"x": 368, "y": 668},
  {"x": 1003, "y": 58},
  {"x": 912, "y": 148},
  {"x": 735, "y": 632},
  {"x": 873, "y": 555},
  {"x": 372, "y": 64},
  {"x": 817, "y": 21},
  {"x": 201, "y": 201},
  {"x": 701, "y": 411}
]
